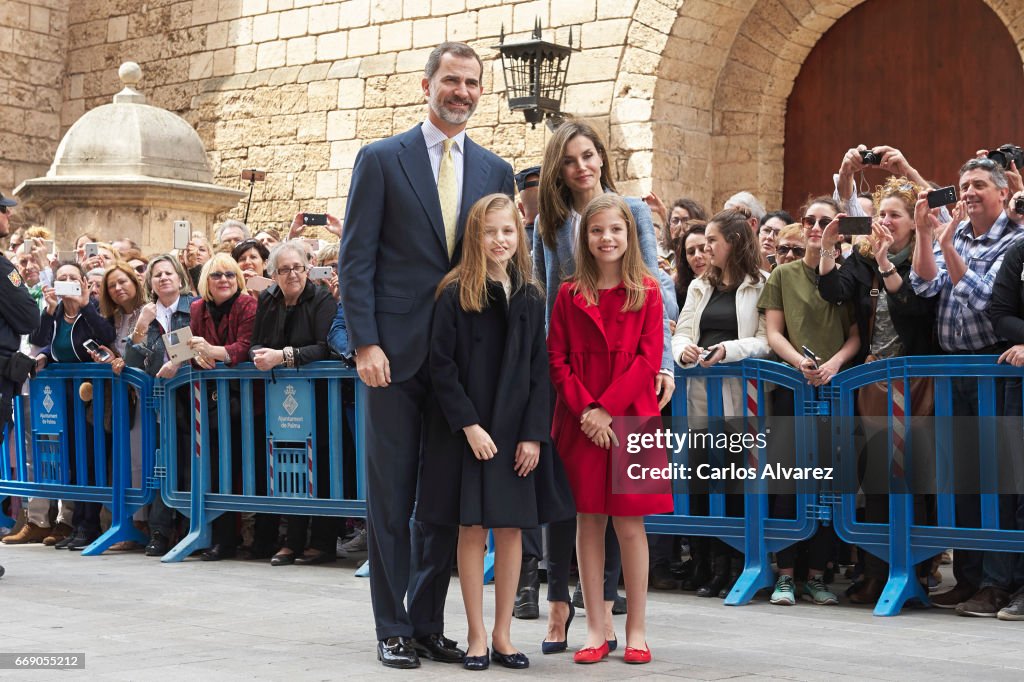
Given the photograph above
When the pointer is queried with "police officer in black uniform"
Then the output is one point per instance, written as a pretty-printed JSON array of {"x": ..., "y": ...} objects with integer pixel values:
[{"x": 19, "y": 315}]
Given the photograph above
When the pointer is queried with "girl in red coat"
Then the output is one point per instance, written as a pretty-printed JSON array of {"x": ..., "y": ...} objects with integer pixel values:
[{"x": 605, "y": 344}]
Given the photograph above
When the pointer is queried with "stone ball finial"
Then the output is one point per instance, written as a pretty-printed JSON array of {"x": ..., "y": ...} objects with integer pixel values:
[{"x": 130, "y": 73}]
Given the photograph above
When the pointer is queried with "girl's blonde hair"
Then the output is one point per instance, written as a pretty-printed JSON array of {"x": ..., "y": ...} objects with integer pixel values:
[
  {"x": 634, "y": 271},
  {"x": 893, "y": 188},
  {"x": 470, "y": 275}
]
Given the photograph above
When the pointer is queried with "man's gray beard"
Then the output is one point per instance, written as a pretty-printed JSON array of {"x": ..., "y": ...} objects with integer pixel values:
[{"x": 449, "y": 116}]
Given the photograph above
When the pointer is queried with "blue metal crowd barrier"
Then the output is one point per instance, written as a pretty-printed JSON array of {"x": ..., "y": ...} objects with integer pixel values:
[
  {"x": 903, "y": 542},
  {"x": 278, "y": 441},
  {"x": 755, "y": 533},
  {"x": 56, "y": 459}
]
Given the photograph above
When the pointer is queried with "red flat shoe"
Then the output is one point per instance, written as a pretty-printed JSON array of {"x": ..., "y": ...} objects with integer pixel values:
[
  {"x": 637, "y": 655},
  {"x": 592, "y": 654}
]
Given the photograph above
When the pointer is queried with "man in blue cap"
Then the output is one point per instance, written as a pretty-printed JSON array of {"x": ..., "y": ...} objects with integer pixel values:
[{"x": 528, "y": 184}]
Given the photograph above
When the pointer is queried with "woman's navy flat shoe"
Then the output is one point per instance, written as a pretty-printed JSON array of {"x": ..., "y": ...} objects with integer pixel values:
[
  {"x": 516, "y": 661},
  {"x": 477, "y": 662}
]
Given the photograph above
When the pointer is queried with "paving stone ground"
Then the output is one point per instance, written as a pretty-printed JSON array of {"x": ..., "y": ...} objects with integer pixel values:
[{"x": 137, "y": 619}]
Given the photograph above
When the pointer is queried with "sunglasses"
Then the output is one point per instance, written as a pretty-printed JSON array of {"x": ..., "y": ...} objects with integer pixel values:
[
  {"x": 141, "y": 269},
  {"x": 797, "y": 251},
  {"x": 3, "y": 209},
  {"x": 808, "y": 221},
  {"x": 222, "y": 275}
]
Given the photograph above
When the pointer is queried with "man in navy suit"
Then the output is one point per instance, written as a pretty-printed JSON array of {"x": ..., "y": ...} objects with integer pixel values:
[{"x": 399, "y": 241}]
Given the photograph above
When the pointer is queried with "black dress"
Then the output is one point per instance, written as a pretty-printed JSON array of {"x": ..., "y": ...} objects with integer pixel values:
[{"x": 490, "y": 368}]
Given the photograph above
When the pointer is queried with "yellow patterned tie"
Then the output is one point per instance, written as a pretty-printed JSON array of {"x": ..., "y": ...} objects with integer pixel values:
[{"x": 448, "y": 193}]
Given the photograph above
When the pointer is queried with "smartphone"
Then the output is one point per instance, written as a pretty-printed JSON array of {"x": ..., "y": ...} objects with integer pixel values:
[
  {"x": 942, "y": 197},
  {"x": 708, "y": 352},
  {"x": 809, "y": 354},
  {"x": 92, "y": 249},
  {"x": 257, "y": 283},
  {"x": 49, "y": 246},
  {"x": 313, "y": 244},
  {"x": 855, "y": 225},
  {"x": 253, "y": 175},
  {"x": 64, "y": 288},
  {"x": 314, "y": 218},
  {"x": 323, "y": 272},
  {"x": 182, "y": 234},
  {"x": 91, "y": 345}
]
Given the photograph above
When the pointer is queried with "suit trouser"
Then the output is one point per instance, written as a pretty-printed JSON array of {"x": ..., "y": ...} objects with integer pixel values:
[{"x": 417, "y": 562}]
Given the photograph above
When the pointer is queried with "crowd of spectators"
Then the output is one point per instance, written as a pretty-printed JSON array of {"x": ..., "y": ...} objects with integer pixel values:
[{"x": 743, "y": 281}]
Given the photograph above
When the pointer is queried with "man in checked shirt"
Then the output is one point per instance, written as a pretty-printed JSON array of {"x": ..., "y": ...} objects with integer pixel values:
[{"x": 960, "y": 268}]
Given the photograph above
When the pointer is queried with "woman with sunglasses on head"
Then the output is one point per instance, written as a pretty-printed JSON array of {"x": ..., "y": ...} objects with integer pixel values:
[
  {"x": 293, "y": 317},
  {"x": 798, "y": 317},
  {"x": 892, "y": 321}
]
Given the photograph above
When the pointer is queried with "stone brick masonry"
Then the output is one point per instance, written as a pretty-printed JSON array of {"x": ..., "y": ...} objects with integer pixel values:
[{"x": 691, "y": 94}]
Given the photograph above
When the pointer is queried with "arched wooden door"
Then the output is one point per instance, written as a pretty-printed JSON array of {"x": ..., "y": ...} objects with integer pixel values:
[{"x": 936, "y": 79}]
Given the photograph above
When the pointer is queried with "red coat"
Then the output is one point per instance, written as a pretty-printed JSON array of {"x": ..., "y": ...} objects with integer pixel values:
[
  {"x": 599, "y": 354},
  {"x": 235, "y": 329}
]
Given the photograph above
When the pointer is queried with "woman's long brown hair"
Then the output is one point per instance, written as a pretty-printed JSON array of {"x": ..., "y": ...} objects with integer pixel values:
[
  {"x": 555, "y": 197},
  {"x": 470, "y": 275}
]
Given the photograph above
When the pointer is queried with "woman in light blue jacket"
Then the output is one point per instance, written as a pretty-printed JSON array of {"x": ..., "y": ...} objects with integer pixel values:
[{"x": 573, "y": 173}]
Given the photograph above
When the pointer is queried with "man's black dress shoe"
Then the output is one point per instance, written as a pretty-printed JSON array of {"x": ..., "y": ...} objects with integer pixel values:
[
  {"x": 438, "y": 648},
  {"x": 282, "y": 559},
  {"x": 310, "y": 560},
  {"x": 397, "y": 652},
  {"x": 158, "y": 545},
  {"x": 516, "y": 661},
  {"x": 477, "y": 662},
  {"x": 527, "y": 607},
  {"x": 80, "y": 542},
  {"x": 218, "y": 552}
]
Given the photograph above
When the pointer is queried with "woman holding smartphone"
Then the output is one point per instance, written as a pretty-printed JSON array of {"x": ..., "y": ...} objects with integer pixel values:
[
  {"x": 70, "y": 321},
  {"x": 797, "y": 317}
]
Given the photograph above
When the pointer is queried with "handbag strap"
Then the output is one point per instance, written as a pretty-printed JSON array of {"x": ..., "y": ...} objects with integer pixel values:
[{"x": 875, "y": 287}]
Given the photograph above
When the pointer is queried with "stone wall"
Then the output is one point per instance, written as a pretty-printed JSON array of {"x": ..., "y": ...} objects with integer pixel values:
[
  {"x": 691, "y": 93},
  {"x": 33, "y": 50}
]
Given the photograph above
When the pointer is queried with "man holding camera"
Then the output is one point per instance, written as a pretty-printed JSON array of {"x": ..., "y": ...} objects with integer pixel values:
[{"x": 961, "y": 271}]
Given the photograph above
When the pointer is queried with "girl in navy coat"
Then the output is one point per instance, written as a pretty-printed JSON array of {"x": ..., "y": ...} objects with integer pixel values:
[{"x": 486, "y": 463}]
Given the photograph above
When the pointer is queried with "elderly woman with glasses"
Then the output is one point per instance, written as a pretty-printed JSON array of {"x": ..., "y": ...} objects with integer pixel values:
[{"x": 293, "y": 318}]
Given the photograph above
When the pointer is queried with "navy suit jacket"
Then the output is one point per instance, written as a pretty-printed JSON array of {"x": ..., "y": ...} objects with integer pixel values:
[{"x": 393, "y": 250}]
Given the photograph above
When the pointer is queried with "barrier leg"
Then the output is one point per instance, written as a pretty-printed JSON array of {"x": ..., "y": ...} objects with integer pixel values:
[
  {"x": 757, "y": 570},
  {"x": 489, "y": 558},
  {"x": 200, "y": 533},
  {"x": 903, "y": 584}
]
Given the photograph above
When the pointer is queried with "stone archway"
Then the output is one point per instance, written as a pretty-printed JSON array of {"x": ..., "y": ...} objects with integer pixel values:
[{"x": 718, "y": 97}]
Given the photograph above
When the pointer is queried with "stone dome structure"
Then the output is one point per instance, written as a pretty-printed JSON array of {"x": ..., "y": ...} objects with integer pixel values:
[
  {"x": 130, "y": 137},
  {"x": 128, "y": 170}
]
